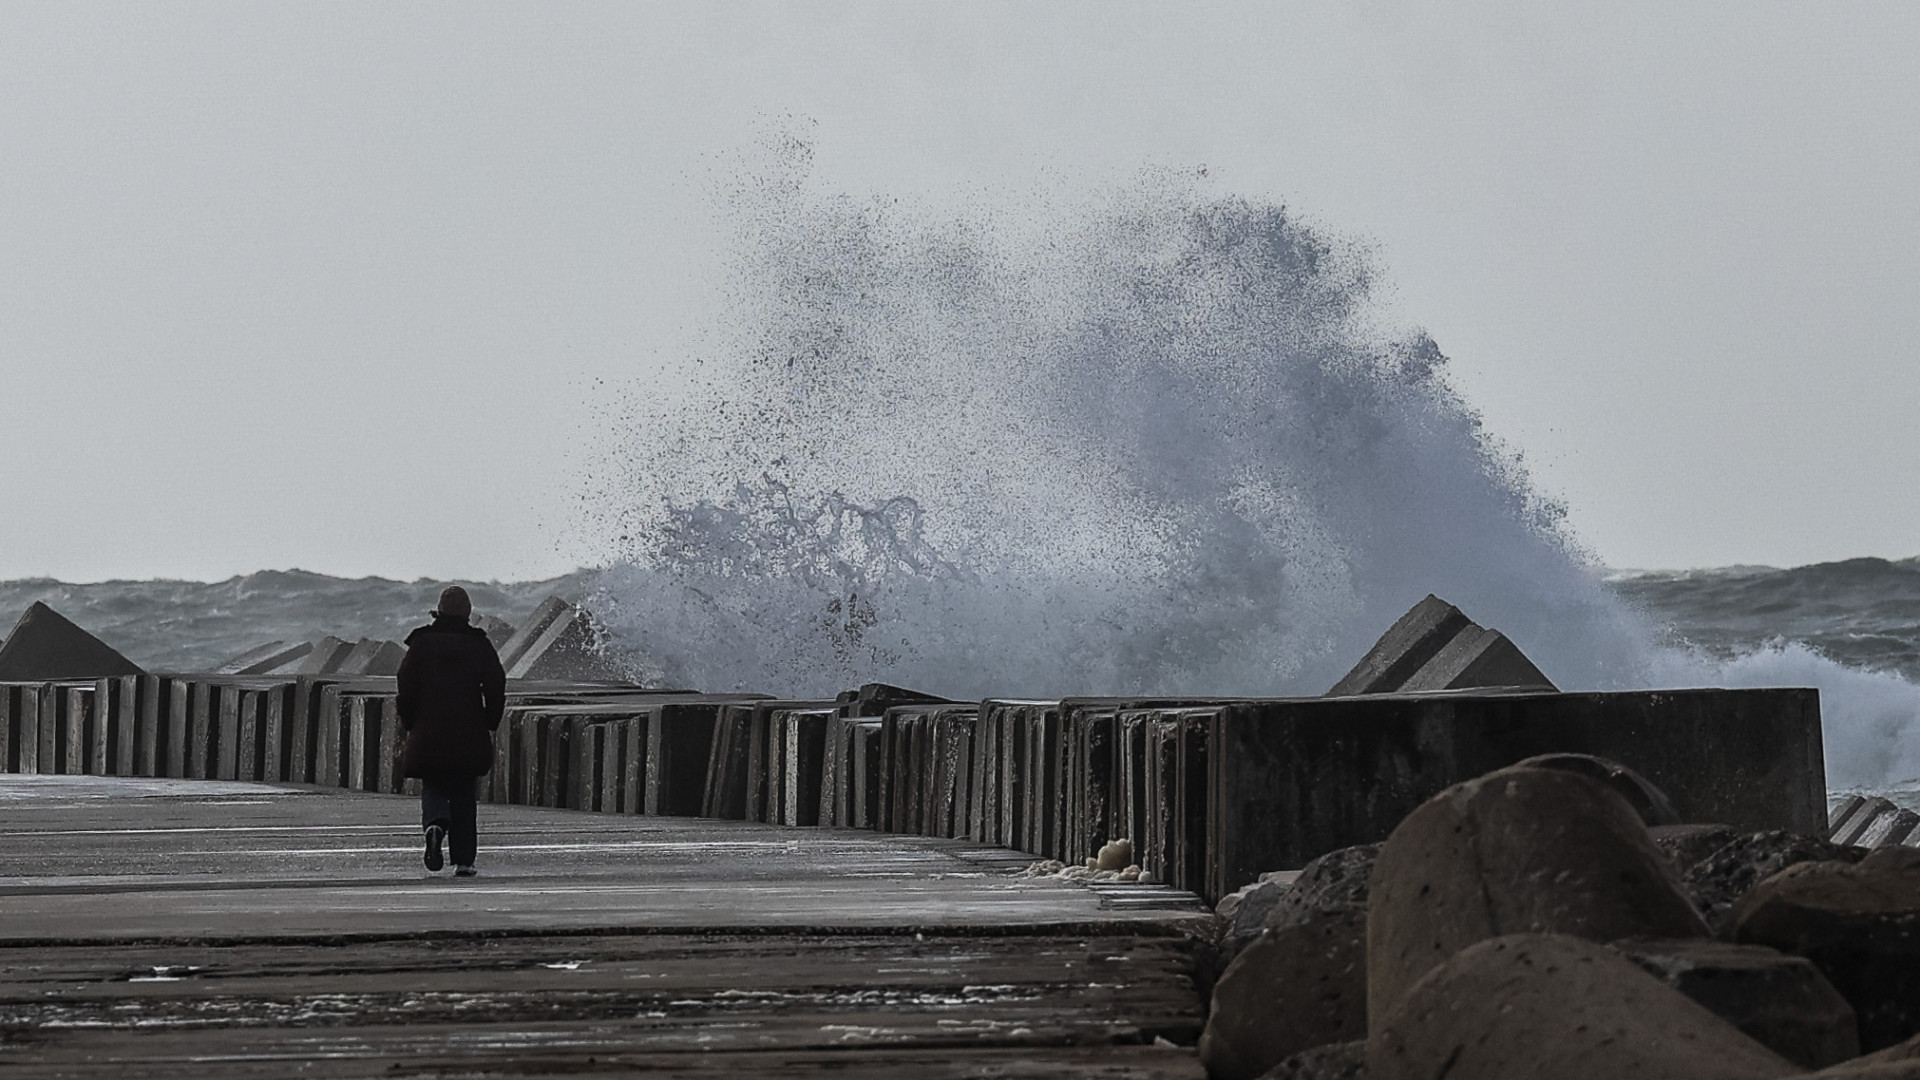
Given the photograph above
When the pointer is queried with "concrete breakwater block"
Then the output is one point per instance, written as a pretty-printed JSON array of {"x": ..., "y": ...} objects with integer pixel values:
[
  {"x": 928, "y": 751},
  {"x": 1301, "y": 981},
  {"x": 262, "y": 659},
  {"x": 1517, "y": 850},
  {"x": 324, "y": 658},
  {"x": 559, "y": 641},
  {"x": 1551, "y": 1005},
  {"x": 1871, "y": 822},
  {"x": 1434, "y": 646},
  {"x": 1859, "y": 924},
  {"x": 1781, "y": 1002},
  {"x": 1291, "y": 779},
  {"x": 1062, "y": 778},
  {"x": 1717, "y": 881},
  {"x": 46, "y": 645}
]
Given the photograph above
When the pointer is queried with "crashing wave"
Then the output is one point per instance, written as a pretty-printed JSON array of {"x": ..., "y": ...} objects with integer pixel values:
[{"x": 1155, "y": 442}]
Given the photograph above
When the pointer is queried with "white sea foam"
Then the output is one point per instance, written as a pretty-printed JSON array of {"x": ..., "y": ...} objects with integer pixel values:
[{"x": 1153, "y": 441}]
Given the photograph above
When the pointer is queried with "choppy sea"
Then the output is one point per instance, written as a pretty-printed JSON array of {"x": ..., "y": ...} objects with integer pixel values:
[{"x": 1862, "y": 613}]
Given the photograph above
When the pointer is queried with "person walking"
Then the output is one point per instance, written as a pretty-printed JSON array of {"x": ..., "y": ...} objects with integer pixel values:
[{"x": 452, "y": 695}]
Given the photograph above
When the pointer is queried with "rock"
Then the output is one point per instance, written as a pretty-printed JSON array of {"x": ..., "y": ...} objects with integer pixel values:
[
  {"x": 1717, "y": 882},
  {"x": 1300, "y": 982},
  {"x": 1335, "y": 1061},
  {"x": 1860, "y": 924},
  {"x": 1251, "y": 903},
  {"x": 47, "y": 645},
  {"x": 1688, "y": 845},
  {"x": 1295, "y": 988},
  {"x": 1117, "y": 855},
  {"x": 1781, "y": 1001},
  {"x": 1647, "y": 800},
  {"x": 1515, "y": 851},
  {"x": 1558, "y": 1007}
]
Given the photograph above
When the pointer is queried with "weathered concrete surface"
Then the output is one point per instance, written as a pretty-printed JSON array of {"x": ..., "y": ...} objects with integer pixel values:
[
  {"x": 1294, "y": 779},
  {"x": 46, "y": 645},
  {"x": 207, "y": 929}
]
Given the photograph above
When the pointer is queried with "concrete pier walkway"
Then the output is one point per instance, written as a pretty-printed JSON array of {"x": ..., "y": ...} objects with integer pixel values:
[{"x": 212, "y": 929}]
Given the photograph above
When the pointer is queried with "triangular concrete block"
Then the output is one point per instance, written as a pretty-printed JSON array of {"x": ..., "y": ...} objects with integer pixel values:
[
  {"x": 325, "y": 657},
  {"x": 1434, "y": 647},
  {"x": 1476, "y": 658},
  {"x": 264, "y": 658},
  {"x": 569, "y": 646},
  {"x": 537, "y": 624},
  {"x": 498, "y": 630},
  {"x": 1405, "y": 648},
  {"x": 386, "y": 659},
  {"x": 874, "y": 699},
  {"x": 47, "y": 645}
]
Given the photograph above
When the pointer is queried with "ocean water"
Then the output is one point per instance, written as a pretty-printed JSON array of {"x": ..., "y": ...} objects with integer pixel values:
[
  {"x": 170, "y": 625},
  {"x": 1851, "y": 627}
]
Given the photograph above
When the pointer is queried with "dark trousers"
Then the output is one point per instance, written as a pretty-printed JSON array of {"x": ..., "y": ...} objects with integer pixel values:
[{"x": 448, "y": 801}]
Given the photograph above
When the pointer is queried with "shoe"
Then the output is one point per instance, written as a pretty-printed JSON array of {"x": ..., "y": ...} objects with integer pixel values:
[
  {"x": 464, "y": 871},
  {"x": 435, "y": 834}
]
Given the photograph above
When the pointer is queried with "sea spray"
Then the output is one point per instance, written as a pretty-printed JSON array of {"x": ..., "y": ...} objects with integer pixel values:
[{"x": 1152, "y": 441}]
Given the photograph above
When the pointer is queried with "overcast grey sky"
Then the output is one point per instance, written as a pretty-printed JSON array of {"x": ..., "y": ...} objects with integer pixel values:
[{"x": 337, "y": 285}]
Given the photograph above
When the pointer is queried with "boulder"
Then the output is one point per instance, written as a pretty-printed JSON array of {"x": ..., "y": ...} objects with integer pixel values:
[
  {"x": 1781, "y": 1001},
  {"x": 1860, "y": 924},
  {"x": 1334, "y": 1061},
  {"x": 1515, "y": 851},
  {"x": 1718, "y": 882},
  {"x": 1647, "y": 800},
  {"x": 1688, "y": 845},
  {"x": 1301, "y": 983},
  {"x": 1555, "y": 1006},
  {"x": 46, "y": 645},
  {"x": 1294, "y": 988}
]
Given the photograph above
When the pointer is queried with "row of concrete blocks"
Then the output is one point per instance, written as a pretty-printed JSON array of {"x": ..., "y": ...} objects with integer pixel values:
[
  {"x": 307, "y": 729},
  {"x": 1211, "y": 792},
  {"x": 1870, "y": 821},
  {"x": 1214, "y": 792}
]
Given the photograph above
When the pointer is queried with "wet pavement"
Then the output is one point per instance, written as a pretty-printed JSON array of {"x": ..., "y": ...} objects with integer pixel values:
[{"x": 197, "y": 928}]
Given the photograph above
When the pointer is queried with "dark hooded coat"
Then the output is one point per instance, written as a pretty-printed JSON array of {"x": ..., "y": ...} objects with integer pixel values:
[{"x": 452, "y": 695}]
